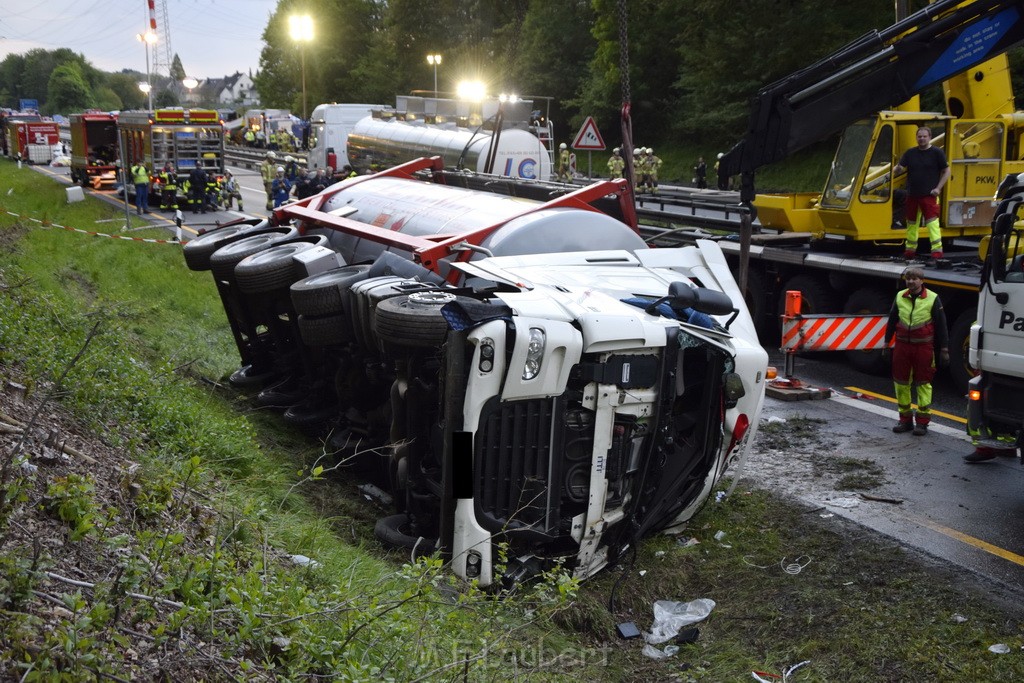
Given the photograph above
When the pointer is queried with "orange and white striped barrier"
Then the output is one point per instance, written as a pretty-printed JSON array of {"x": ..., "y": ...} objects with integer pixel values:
[{"x": 840, "y": 332}]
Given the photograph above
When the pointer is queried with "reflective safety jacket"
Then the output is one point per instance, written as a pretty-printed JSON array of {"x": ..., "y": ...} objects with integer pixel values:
[
  {"x": 140, "y": 176},
  {"x": 168, "y": 181},
  {"x": 918, "y": 319}
]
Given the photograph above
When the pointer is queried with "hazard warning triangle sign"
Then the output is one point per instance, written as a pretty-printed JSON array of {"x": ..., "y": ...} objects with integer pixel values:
[{"x": 589, "y": 136}]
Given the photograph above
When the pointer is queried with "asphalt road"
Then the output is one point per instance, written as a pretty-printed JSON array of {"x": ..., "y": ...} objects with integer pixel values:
[
  {"x": 965, "y": 514},
  {"x": 936, "y": 504}
]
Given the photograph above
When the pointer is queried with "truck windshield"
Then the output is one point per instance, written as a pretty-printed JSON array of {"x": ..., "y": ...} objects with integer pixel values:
[{"x": 853, "y": 150}]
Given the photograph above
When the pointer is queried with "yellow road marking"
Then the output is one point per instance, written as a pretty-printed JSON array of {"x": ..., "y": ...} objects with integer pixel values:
[
  {"x": 890, "y": 399},
  {"x": 971, "y": 540}
]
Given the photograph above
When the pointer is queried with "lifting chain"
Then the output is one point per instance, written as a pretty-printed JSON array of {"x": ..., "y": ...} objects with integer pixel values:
[{"x": 627, "y": 122}]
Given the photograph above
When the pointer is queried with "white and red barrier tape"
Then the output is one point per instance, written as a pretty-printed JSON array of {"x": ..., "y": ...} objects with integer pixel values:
[{"x": 94, "y": 233}]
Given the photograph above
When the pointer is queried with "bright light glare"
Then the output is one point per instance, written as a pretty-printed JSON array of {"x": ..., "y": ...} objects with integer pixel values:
[
  {"x": 471, "y": 90},
  {"x": 189, "y": 82},
  {"x": 147, "y": 37},
  {"x": 433, "y": 59},
  {"x": 300, "y": 27},
  {"x": 145, "y": 87},
  {"x": 508, "y": 98}
]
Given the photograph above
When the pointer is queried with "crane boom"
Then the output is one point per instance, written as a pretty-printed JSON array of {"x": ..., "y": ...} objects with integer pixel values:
[{"x": 874, "y": 72}]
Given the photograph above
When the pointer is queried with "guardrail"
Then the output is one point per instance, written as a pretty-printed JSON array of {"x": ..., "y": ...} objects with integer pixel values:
[{"x": 252, "y": 157}]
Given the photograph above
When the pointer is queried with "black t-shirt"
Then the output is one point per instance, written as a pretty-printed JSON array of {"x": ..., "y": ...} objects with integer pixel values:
[{"x": 924, "y": 168}]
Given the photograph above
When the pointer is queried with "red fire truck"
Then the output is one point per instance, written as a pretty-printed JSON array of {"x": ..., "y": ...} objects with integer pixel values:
[
  {"x": 94, "y": 147},
  {"x": 32, "y": 141}
]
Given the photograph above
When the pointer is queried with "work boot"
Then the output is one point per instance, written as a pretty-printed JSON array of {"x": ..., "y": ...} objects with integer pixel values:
[
  {"x": 903, "y": 426},
  {"x": 920, "y": 430},
  {"x": 980, "y": 454}
]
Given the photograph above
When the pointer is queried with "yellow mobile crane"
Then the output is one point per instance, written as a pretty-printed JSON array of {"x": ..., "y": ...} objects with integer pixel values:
[{"x": 848, "y": 260}]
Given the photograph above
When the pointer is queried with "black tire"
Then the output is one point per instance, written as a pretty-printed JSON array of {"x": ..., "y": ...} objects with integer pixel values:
[
  {"x": 816, "y": 295},
  {"x": 198, "y": 251},
  {"x": 328, "y": 330},
  {"x": 271, "y": 269},
  {"x": 395, "y": 531},
  {"x": 413, "y": 320},
  {"x": 325, "y": 293},
  {"x": 867, "y": 300},
  {"x": 960, "y": 371},
  {"x": 224, "y": 260}
]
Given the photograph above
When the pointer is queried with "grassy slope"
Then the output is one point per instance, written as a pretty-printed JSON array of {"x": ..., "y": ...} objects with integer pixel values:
[{"x": 860, "y": 610}]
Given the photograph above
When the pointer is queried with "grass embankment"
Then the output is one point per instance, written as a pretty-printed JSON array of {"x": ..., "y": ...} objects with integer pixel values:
[{"x": 178, "y": 534}]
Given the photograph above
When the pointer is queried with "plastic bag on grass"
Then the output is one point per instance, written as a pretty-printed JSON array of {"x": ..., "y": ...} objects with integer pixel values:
[{"x": 670, "y": 617}]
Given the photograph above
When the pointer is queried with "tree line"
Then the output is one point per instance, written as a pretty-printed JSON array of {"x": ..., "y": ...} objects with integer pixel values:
[{"x": 692, "y": 66}]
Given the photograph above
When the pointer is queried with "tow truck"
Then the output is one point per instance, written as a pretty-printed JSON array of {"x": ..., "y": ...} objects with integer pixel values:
[
  {"x": 841, "y": 247},
  {"x": 532, "y": 384}
]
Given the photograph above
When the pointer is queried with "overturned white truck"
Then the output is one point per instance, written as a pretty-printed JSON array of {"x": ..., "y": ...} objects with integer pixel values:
[{"x": 530, "y": 377}]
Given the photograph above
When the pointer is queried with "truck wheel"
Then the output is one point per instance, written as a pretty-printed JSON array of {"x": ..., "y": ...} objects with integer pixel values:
[
  {"x": 224, "y": 260},
  {"x": 960, "y": 370},
  {"x": 325, "y": 293},
  {"x": 867, "y": 300},
  {"x": 197, "y": 251},
  {"x": 271, "y": 269},
  {"x": 816, "y": 295},
  {"x": 413, "y": 320},
  {"x": 395, "y": 531},
  {"x": 328, "y": 330}
]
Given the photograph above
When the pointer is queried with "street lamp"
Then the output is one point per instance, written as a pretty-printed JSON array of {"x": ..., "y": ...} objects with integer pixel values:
[
  {"x": 148, "y": 38},
  {"x": 300, "y": 26},
  {"x": 189, "y": 83},
  {"x": 434, "y": 60}
]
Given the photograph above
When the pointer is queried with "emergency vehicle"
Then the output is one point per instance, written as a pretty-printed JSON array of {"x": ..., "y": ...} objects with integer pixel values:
[
  {"x": 31, "y": 141},
  {"x": 94, "y": 146},
  {"x": 184, "y": 138}
]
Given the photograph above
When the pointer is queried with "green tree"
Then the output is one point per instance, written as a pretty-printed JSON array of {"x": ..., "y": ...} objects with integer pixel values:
[
  {"x": 68, "y": 90},
  {"x": 177, "y": 70},
  {"x": 12, "y": 69},
  {"x": 125, "y": 86}
]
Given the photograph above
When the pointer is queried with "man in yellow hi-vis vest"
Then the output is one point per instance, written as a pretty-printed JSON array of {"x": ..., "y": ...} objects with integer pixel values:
[{"x": 918, "y": 323}]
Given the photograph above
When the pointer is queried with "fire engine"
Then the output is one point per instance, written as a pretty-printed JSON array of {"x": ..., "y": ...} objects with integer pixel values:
[{"x": 94, "y": 146}]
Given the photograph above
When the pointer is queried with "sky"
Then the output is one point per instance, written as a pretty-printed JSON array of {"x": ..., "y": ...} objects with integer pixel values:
[{"x": 213, "y": 38}]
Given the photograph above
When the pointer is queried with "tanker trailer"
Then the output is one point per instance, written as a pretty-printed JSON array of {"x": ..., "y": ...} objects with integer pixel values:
[
  {"x": 376, "y": 144},
  {"x": 540, "y": 384}
]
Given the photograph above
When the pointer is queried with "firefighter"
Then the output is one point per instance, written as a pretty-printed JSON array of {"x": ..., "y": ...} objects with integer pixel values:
[
  {"x": 641, "y": 166},
  {"x": 197, "y": 189},
  {"x": 168, "y": 189},
  {"x": 250, "y": 137},
  {"x": 616, "y": 165},
  {"x": 291, "y": 169},
  {"x": 267, "y": 173},
  {"x": 213, "y": 191},
  {"x": 918, "y": 322},
  {"x": 140, "y": 178},
  {"x": 653, "y": 164},
  {"x": 927, "y": 171},
  {"x": 280, "y": 187},
  {"x": 563, "y": 162},
  {"x": 230, "y": 192}
]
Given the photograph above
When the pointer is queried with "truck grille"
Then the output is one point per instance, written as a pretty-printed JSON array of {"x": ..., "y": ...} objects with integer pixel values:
[{"x": 513, "y": 468}]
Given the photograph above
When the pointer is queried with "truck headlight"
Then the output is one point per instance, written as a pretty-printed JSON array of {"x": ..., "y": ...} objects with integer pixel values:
[{"x": 534, "y": 353}]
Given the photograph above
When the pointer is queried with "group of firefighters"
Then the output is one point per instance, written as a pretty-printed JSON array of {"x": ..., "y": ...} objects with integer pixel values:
[
  {"x": 645, "y": 168},
  {"x": 280, "y": 139},
  {"x": 203, "y": 190}
]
